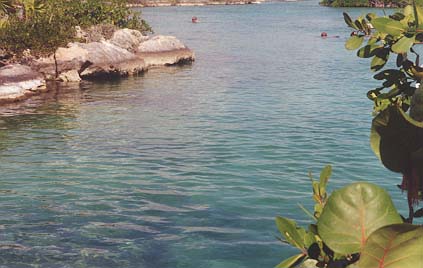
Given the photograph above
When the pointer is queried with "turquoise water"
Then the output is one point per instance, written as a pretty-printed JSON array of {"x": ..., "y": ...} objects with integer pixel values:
[{"x": 188, "y": 166}]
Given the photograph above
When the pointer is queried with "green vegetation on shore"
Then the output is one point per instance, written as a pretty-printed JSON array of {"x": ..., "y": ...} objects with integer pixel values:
[
  {"x": 43, "y": 25},
  {"x": 369, "y": 3}
]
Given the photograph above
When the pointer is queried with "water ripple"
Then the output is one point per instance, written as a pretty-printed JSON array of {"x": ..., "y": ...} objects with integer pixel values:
[{"x": 187, "y": 166}]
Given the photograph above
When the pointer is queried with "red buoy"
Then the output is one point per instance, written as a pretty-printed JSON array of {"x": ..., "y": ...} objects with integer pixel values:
[{"x": 194, "y": 19}]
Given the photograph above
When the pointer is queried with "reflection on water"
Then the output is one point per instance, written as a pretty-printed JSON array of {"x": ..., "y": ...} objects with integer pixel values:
[{"x": 187, "y": 166}]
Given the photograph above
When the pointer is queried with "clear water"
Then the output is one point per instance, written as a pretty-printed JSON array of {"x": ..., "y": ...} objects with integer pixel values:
[{"x": 188, "y": 166}]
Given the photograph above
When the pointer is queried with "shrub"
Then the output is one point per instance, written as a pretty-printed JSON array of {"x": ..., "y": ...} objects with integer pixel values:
[
  {"x": 41, "y": 35},
  {"x": 48, "y": 24},
  {"x": 94, "y": 12}
]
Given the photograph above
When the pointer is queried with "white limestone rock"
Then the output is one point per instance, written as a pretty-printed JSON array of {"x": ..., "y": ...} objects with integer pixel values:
[
  {"x": 70, "y": 76},
  {"x": 18, "y": 80},
  {"x": 128, "y": 39},
  {"x": 161, "y": 43}
]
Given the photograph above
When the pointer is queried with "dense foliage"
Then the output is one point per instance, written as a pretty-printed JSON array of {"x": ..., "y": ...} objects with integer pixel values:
[
  {"x": 44, "y": 25},
  {"x": 346, "y": 3},
  {"x": 397, "y": 129},
  {"x": 358, "y": 225}
]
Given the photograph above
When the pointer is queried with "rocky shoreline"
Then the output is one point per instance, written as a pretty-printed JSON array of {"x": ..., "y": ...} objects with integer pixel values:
[{"x": 126, "y": 53}]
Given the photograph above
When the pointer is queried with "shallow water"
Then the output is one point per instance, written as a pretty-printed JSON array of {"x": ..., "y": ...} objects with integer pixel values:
[{"x": 188, "y": 166}]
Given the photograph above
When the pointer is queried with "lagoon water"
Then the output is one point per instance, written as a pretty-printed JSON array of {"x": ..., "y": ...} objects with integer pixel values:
[{"x": 188, "y": 166}]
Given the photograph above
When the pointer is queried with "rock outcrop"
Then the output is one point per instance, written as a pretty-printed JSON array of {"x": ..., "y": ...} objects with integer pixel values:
[
  {"x": 128, "y": 39},
  {"x": 127, "y": 52},
  {"x": 18, "y": 82},
  {"x": 160, "y": 43},
  {"x": 164, "y": 50}
]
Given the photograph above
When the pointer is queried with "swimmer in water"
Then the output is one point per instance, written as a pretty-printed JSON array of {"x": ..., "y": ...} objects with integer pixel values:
[{"x": 325, "y": 35}]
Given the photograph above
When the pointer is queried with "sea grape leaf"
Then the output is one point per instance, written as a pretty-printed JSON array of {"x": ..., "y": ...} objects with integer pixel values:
[
  {"x": 324, "y": 178},
  {"x": 293, "y": 234},
  {"x": 418, "y": 213},
  {"x": 400, "y": 59},
  {"x": 370, "y": 16},
  {"x": 359, "y": 24},
  {"x": 394, "y": 246},
  {"x": 392, "y": 93},
  {"x": 410, "y": 120},
  {"x": 349, "y": 21},
  {"x": 292, "y": 261},
  {"x": 354, "y": 42},
  {"x": 403, "y": 45},
  {"x": 389, "y": 26},
  {"x": 408, "y": 11},
  {"x": 397, "y": 16},
  {"x": 309, "y": 239},
  {"x": 381, "y": 105},
  {"x": 316, "y": 188},
  {"x": 368, "y": 51},
  {"x": 419, "y": 11},
  {"x": 352, "y": 213},
  {"x": 389, "y": 74},
  {"x": 377, "y": 63},
  {"x": 393, "y": 137}
]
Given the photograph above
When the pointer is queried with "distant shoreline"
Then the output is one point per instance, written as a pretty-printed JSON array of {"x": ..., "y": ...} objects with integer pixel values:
[{"x": 193, "y": 3}]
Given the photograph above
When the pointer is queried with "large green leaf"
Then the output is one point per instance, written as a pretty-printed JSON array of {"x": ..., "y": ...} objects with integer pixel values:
[
  {"x": 389, "y": 26},
  {"x": 290, "y": 262},
  {"x": 352, "y": 214},
  {"x": 403, "y": 45},
  {"x": 293, "y": 234},
  {"x": 394, "y": 136},
  {"x": 394, "y": 246},
  {"x": 354, "y": 42}
]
